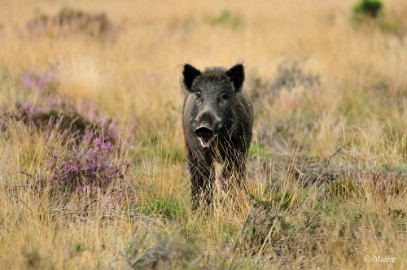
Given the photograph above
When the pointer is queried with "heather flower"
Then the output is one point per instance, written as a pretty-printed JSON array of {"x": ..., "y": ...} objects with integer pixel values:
[
  {"x": 45, "y": 82},
  {"x": 4, "y": 108},
  {"x": 90, "y": 167},
  {"x": 58, "y": 112},
  {"x": 90, "y": 164},
  {"x": 113, "y": 200}
]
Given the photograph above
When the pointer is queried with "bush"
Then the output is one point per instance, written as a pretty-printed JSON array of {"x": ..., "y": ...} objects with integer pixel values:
[
  {"x": 87, "y": 168},
  {"x": 55, "y": 111},
  {"x": 70, "y": 21},
  {"x": 368, "y": 9},
  {"x": 91, "y": 160},
  {"x": 44, "y": 82},
  {"x": 166, "y": 253}
]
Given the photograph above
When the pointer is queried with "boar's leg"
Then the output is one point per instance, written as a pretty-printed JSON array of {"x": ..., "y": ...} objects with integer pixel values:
[
  {"x": 234, "y": 166},
  {"x": 202, "y": 181}
]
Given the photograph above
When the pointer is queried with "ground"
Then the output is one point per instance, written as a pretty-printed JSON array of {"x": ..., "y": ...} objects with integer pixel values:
[{"x": 92, "y": 161}]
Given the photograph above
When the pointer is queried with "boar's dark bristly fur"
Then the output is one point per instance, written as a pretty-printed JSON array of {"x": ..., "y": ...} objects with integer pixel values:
[{"x": 217, "y": 122}]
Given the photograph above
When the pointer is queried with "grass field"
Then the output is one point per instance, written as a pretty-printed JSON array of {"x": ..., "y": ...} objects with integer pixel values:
[{"x": 92, "y": 162}]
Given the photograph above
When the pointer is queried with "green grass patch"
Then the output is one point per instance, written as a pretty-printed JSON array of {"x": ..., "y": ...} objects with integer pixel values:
[
  {"x": 172, "y": 154},
  {"x": 227, "y": 18},
  {"x": 258, "y": 150},
  {"x": 168, "y": 207}
]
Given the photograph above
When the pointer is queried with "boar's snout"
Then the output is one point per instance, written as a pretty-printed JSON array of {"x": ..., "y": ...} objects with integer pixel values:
[
  {"x": 207, "y": 126},
  {"x": 209, "y": 120},
  {"x": 204, "y": 131},
  {"x": 205, "y": 135}
]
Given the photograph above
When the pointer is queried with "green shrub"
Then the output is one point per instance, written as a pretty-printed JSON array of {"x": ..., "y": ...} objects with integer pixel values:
[{"x": 368, "y": 9}]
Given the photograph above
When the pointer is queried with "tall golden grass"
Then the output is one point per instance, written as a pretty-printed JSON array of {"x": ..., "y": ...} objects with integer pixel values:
[{"x": 359, "y": 106}]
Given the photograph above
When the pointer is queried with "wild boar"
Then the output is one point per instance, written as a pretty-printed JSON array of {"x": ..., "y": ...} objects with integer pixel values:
[{"x": 217, "y": 122}]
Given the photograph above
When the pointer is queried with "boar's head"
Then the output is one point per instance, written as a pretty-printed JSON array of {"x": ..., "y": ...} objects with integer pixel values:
[{"x": 214, "y": 100}]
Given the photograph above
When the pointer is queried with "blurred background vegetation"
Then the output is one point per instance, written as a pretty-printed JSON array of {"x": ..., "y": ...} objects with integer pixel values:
[{"x": 92, "y": 161}]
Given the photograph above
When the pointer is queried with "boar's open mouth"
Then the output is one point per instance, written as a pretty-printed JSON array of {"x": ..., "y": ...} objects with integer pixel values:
[{"x": 205, "y": 136}]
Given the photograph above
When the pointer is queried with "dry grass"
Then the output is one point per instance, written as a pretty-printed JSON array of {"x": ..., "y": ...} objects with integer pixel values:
[{"x": 315, "y": 210}]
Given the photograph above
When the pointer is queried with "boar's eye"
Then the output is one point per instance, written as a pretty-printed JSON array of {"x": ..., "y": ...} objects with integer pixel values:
[
  {"x": 198, "y": 94},
  {"x": 224, "y": 96}
]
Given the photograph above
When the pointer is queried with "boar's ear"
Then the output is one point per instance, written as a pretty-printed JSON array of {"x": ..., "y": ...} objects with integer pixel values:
[
  {"x": 236, "y": 74},
  {"x": 190, "y": 73}
]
